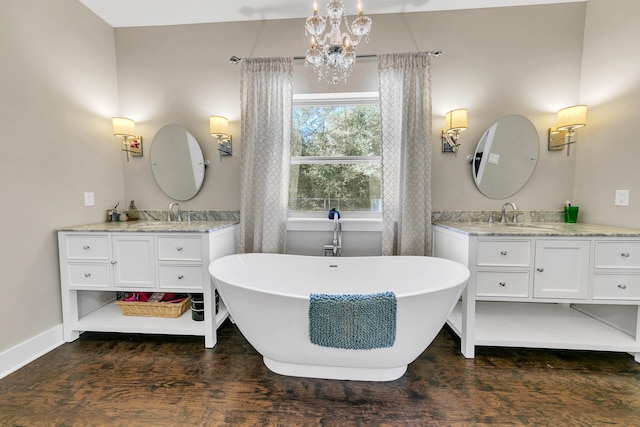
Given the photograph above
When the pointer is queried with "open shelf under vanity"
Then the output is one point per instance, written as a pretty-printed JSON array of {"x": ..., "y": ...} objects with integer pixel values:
[{"x": 541, "y": 325}]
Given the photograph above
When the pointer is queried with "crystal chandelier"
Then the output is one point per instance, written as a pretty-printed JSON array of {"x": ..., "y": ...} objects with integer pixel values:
[{"x": 334, "y": 53}]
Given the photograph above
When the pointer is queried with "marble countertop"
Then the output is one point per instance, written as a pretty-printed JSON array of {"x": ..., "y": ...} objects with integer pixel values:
[
  {"x": 153, "y": 226},
  {"x": 558, "y": 229}
]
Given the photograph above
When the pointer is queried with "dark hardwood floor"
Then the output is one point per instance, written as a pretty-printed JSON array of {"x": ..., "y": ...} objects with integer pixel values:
[{"x": 139, "y": 380}]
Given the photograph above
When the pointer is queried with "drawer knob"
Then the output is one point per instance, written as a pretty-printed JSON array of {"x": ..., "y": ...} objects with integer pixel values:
[
  {"x": 503, "y": 284},
  {"x": 625, "y": 254},
  {"x": 621, "y": 286},
  {"x": 540, "y": 269},
  {"x": 113, "y": 262},
  {"x": 179, "y": 248},
  {"x": 503, "y": 252},
  {"x": 86, "y": 247},
  {"x": 180, "y": 277},
  {"x": 87, "y": 274}
]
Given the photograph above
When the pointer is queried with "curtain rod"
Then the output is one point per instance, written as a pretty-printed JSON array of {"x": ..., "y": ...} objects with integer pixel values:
[{"x": 434, "y": 53}]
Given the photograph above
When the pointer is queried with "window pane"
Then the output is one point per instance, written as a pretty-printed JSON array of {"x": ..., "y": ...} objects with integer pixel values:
[
  {"x": 351, "y": 130},
  {"x": 320, "y": 187}
]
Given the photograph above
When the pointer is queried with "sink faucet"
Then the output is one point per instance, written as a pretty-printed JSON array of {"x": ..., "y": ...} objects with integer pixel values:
[
  {"x": 503, "y": 217},
  {"x": 179, "y": 217}
]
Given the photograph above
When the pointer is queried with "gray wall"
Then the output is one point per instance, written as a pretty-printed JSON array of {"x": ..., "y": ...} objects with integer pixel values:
[
  {"x": 608, "y": 152},
  {"x": 61, "y": 79},
  {"x": 58, "y": 93},
  {"x": 497, "y": 62}
]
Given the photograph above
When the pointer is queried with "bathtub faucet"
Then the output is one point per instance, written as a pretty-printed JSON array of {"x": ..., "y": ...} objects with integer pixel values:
[{"x": 335, "y": 248}]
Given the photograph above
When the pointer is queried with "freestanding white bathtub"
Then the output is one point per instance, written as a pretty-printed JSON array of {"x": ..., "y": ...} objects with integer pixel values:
[{"x": 268, "y": 296}]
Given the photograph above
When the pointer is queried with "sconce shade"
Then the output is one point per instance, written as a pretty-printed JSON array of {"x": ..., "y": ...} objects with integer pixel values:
[
  {"x": 572, "y": 117},
  {"x": 219, "y": 126},
  {"x": 456, "y": 120},
  {"x": 123, "y": 127}
]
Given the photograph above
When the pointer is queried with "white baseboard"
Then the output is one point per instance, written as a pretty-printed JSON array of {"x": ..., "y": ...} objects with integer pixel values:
[{"x": 26, "y": 352}]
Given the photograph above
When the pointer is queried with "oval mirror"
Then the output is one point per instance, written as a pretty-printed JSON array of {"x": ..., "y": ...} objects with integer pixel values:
[
  {"x": 177, "y": 162},
  {"x": 505, "y": 157}
]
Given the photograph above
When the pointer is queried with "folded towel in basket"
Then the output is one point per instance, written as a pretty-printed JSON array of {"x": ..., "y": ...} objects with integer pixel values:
[{"x": 353, "y": 321}]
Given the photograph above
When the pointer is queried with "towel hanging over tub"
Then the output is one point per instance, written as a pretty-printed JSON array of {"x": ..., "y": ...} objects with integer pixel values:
[{"x": 353, "y": 321}]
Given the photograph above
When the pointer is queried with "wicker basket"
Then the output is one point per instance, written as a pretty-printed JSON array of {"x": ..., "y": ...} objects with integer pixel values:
[{"x": 154, "y": 309}]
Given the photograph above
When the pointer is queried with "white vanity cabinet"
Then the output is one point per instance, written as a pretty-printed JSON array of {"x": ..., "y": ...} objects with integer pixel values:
[
  {"x": 503, "y": 268},
  {"x": 561, "y": 269},
  {"x": 95, "y": 265},
  {"x": 133, "y": 261},
  {"x": 616, "y": 271},
  {"x": 538, "y": 289},
  {"x": 102, "y": 261}
]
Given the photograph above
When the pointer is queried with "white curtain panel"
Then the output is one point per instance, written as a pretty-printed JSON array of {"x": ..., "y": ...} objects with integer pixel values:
[
  {"x": 267, "y": 96},
  {"x": 405, "y": 105}
]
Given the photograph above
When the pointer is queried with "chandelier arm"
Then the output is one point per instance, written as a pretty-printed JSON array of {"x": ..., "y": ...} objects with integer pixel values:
[
  {"x": 356, "y": 42},
  {"x": 349, "y": 25},
  {"x": 324, "y": 41}
]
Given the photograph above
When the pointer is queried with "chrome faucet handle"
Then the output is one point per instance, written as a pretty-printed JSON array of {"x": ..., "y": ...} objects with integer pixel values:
[
  {"x": 168, "y": 216},
  {"x": 490, "y": 220}
]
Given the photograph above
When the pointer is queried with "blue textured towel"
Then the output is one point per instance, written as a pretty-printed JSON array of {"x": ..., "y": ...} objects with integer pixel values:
[{"x": 352, "y": 321}]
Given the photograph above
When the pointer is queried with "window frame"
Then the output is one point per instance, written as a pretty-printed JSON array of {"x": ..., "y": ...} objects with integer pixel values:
[{"x": 329, "y": 100}]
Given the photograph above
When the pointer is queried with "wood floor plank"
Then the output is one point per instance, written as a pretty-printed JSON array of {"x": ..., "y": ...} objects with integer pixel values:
[{"x": 142, "y": 380}]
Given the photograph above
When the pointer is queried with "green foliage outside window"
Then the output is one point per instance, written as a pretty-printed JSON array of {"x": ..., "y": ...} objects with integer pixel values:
[{"x": 335, "y": 154}]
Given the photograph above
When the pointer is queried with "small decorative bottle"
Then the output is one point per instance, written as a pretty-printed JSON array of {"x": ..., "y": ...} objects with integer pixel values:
[{"x": 133, "y": 211}]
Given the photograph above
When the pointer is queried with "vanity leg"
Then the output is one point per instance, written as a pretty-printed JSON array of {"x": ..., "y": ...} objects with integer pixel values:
[
  {"x": 70, "y": 315},
  {"x": 636, "y": 356},
  {"x": 468, "y": 323},
  {"x": 210, "y": 336}
]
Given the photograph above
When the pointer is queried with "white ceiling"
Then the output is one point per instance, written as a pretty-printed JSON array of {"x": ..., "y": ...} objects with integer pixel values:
[{"x": 142, "y": 13}]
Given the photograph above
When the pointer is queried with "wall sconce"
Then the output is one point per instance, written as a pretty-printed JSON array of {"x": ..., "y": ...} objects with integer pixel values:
[
  {"x": 219, "y": 127},
  {"x": 456, "y": 122},
  {"x": 569, "y": 119},
  {"x": 126, "y": 129}
]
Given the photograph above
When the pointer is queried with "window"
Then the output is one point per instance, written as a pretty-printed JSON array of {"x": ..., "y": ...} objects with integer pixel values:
[{"x": 335, "y": 153}]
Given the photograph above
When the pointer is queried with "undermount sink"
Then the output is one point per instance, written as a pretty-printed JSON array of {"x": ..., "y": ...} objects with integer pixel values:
[
  {"x": 153, "y": 224},
  {"x": 532, "y": 226}
]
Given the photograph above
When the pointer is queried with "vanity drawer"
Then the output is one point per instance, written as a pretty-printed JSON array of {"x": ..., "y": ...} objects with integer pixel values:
[
  {"x": 179, "y": 248},
  {"x": 181, "y": 277},
  {"x": 616, "y": 286},
  {"x": 87, "y": 247},
  {"x": 88, "y": 275},
  {"x": 619, "y": 254},
  {"x": 513, "y": 284},
  {"x": 511, "y": 253}
]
